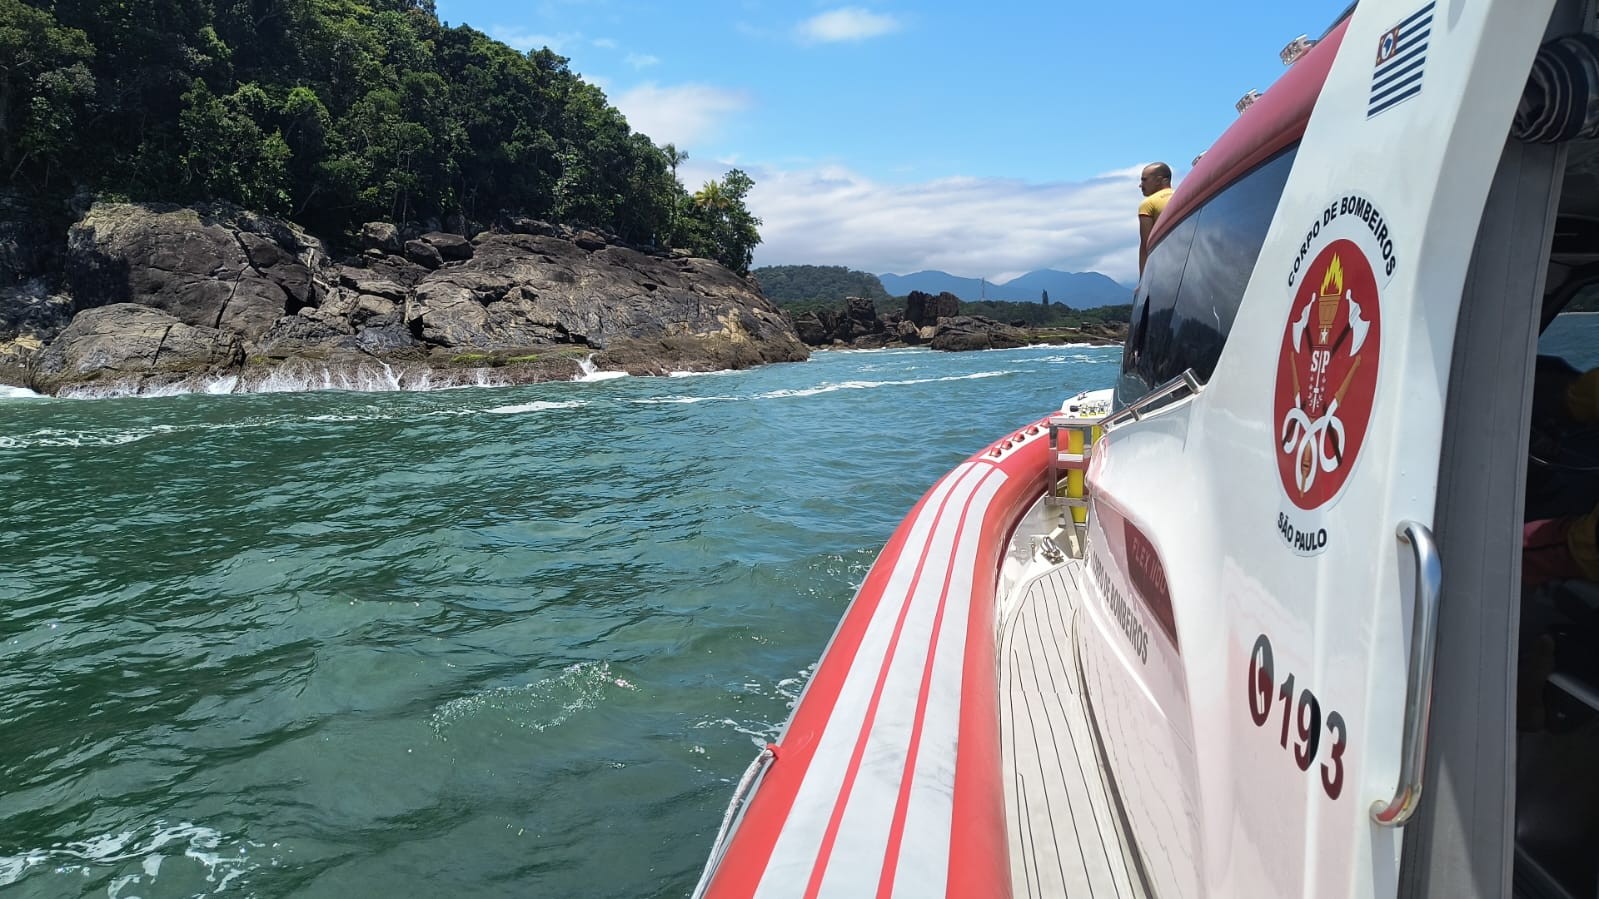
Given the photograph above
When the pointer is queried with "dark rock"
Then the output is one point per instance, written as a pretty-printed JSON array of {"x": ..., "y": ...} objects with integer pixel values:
[
  {"x": 209, "y": 267},
  {"x": 386, "y": 340},
  {"x": 394, "y": 268},
  {"x": 908, "y": 333},
  {"x": 305, "y": 334},
  {"x": 863, "y": 313},
  {"x": 521, "y": 290},
  {"x": 974, "y": 332},
  {"x": 380, "y": 236},
  {"x": 811, "y": 330},
  {"x": 133, "y": 347},
  {"x": 30, "y": 317},
  {"x": 451, "y": 247},
  {"x": 423, "y": 253},
  {"x": 365, "y": 280},
  {"x": 518, "y": 224},
  {"x": 590, "y": 241},
  {"x": 248, "y": 287},
  {"x": 925, "y": 309}
]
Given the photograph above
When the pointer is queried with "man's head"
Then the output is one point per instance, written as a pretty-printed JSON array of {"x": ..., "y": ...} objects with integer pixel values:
[{"x": 1156, "y": 176}]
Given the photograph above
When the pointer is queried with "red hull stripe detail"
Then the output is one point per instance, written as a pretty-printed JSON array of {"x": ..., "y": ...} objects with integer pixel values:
[
  {"x": 750, "y": 848},
  {"x": 896, "y": 834},
  {"x": 931, "y": 706},
  {"x": 831, "y": 836},
  {"x": 794, "y": 858},
  {"x": 890, "y": 777}
]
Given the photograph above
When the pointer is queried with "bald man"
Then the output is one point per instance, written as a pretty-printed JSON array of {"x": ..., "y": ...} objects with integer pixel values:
[{"x": 1155, "y": 182}]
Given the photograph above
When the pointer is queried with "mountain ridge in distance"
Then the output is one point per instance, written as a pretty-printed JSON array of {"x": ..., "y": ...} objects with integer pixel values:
[{"x": 1083, "y": 290}]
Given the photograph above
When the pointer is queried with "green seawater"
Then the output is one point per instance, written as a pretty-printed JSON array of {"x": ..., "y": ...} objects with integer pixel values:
[{"x": 477, "y": 642}]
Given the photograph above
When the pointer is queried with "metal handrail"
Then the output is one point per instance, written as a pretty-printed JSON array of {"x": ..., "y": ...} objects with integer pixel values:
[
  {"x": 1418, "y": 691},
  {"x": 741, "y": 795},
  {"x": 1186, "y": 381}
]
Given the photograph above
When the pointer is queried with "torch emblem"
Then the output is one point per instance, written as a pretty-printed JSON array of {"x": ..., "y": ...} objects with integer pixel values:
[{"x": 1326, "y": 374}]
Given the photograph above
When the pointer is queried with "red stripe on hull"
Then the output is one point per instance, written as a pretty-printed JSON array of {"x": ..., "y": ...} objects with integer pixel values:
[
  {"x": 877, "y": 695},
  {"x": 978, "y": 862}
]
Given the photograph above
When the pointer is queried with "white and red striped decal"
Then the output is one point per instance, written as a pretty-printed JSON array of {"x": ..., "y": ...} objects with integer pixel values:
[{"x": 891, "y": 761}]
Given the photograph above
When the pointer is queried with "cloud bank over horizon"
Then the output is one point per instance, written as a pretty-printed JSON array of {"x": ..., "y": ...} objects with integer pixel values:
[{"x": 994, "y": 228}]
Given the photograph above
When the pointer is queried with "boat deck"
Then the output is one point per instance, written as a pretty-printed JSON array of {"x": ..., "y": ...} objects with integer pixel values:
[{"x": 1065, "y": 839}]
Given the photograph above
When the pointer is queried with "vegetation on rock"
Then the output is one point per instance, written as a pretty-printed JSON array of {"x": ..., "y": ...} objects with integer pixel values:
[
  {"x": 334, "y": 113},
  {"x": 801, "y": 288}
]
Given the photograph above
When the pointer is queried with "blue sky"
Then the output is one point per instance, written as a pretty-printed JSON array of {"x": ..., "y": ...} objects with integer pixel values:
[{"x": 986, "y": 140}]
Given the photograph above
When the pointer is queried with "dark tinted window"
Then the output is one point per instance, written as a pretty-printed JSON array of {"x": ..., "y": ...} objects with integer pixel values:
[
  {"x": 1184, "y": 323},
  {"x": 1149, "y": 335}
]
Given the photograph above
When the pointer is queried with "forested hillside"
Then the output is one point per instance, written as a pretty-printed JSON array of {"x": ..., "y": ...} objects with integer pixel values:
[
  {"x": 333, "y": 113},
  {"x": 807, "y": 286}
]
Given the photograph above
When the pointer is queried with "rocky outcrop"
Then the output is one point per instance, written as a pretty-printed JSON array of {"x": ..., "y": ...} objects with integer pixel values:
[
  {"x": 124, "y": 340},
  {"x": 209, "y": 291},
  {"x": 974, "y": 332},
  {"x": 31, "y": 315},
  {"x": 208, "y": 267},
  {"x": 924, "y": 310},
  {"x": 857, "y": 325},
  {"x": 934, "y": 322}
]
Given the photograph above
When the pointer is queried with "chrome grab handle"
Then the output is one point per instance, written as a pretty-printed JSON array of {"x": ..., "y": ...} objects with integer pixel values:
[
  {"x": 1418, "y": 691},
  {"x": 1186, "y": 383}
]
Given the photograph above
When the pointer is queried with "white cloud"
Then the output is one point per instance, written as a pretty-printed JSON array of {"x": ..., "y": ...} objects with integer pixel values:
[
  {"x": 972, "y": 227},
  {"x": 681, "y": 114},
  {"x": 850, "y": 23},
  {"x": 605, "y": 43},
  {"x": 642, "y": 60},
  {"x": 529, "y": 40}
]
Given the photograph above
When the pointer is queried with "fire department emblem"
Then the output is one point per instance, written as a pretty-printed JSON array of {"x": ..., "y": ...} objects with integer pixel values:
[{"x": 1326, "y": 374}]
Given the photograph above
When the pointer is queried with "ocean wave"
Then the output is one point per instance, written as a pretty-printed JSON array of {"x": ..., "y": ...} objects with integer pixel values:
[
  {"x": 76, "y": 439},
  {"x": 540, "y": 406},
  {"x": 299, "y": 378},
  {"x": 539, "y": 706},
  {"x": 871, "y": 385},
  {"x": 683, "y": 400},
  {"x": 8, "y": 392},
  {"x": 151, "y": 846}
]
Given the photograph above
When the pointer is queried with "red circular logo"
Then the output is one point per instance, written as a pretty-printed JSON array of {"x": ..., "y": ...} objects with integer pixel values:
[{"x": 1326, "y": 374}]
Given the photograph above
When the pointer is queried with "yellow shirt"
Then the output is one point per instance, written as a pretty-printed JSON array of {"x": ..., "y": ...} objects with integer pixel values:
[{"x": 1155, "y": 204}]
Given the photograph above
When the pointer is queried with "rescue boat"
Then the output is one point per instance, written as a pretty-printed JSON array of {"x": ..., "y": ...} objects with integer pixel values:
[{"x": 1250, "y": 622}]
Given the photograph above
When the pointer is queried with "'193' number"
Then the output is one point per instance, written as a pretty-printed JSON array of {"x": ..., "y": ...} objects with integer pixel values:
[{"x": 1301, "y": 714}]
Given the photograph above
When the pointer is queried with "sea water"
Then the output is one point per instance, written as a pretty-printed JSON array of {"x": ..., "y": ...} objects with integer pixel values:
[{"x": 518, "y": 641}]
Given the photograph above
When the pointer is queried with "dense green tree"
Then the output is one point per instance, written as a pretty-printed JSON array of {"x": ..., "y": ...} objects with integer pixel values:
[
  {"x": 44, "y": 85},
  {"x": 818, "y": 286},
  {"x": 335, "y": 112},
  {"x": 715, "y": 222},
  {"x": 229, "y": 154}
]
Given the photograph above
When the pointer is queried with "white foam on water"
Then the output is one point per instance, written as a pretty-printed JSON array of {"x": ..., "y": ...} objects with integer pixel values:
[
  {"x": 588, "y": 372},
  {"x": 700, "y": 374},
  {"x": 537, "y": 706},
  {"x": 150, "y": 846},
  {"x": 872, "y": 385},
  {"x": 540, "y": 406},
  {"x": 54, "y": 437},
  {"x": 681, "y": 400},
  {"x": 222, "y": 385},
  {"x": 8, "y": 392},
  {"x": 377, "y": 377}
]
